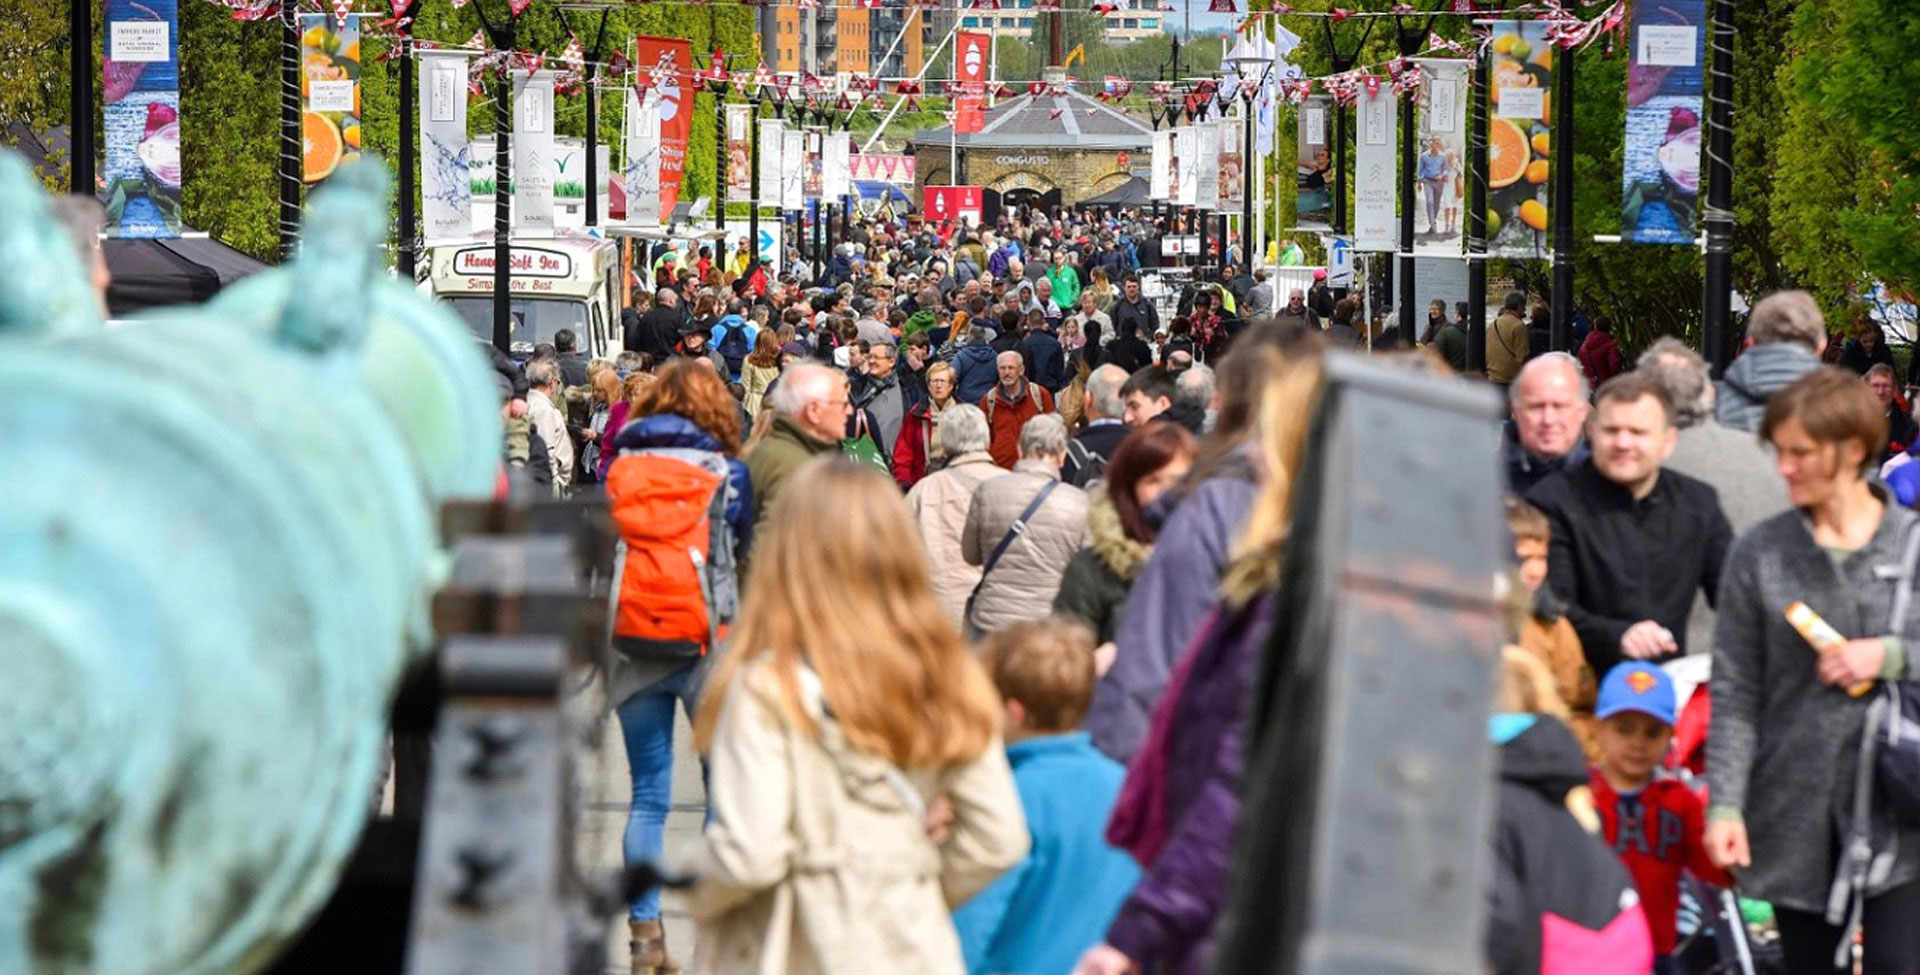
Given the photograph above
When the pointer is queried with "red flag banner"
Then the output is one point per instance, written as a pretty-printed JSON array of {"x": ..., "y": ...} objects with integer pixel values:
[
  {"x": 970, "y": 68},
  {"x": 952, "y": 203},
  {"x": 670, "y": 60}
]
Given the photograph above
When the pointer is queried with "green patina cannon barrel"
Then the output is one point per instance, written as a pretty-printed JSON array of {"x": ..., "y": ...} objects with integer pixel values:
[{"x": 216, "y": 547}]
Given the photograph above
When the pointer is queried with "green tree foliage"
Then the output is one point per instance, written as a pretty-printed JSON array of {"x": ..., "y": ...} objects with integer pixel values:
[{"x": 1854, "y": 144}]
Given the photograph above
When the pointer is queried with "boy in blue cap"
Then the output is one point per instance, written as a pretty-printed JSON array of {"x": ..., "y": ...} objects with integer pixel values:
[{"x": 1652, "y": 821}]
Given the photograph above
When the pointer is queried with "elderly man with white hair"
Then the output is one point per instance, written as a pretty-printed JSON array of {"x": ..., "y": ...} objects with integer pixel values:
[
  {"x": 1548, "y": 401},
  {"x": 1093, "y": 446},
  {"x": 810, "y": 408},
  {"x": 940, "y": 501},
  {"x": 1022, "y": 530}
]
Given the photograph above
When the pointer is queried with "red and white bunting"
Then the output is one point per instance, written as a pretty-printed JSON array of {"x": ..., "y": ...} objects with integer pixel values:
[
  {"x": 574, "y": 56},
  {"x": 1103, "y": 9},
  {"x": 478, "y": 41},
  {"x": 762, "y": 77},
  {"x": 1054, "y": 114},
  {"x": 342, "y": 8},
  {"x": 1223, "y": 7},
  {"x": 518, "y": 6},
  {"x": 1372, "y": 83},
  {"x": 251, "y": 10}
]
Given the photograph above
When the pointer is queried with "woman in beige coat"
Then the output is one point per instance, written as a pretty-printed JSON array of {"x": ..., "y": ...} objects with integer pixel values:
[
  {"x": 840, "y": 716},
  {"x": 939, "y": 503}
]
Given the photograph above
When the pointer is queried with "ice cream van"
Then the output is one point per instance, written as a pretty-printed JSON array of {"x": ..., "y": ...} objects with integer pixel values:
[{"x": 560, "y": 283}]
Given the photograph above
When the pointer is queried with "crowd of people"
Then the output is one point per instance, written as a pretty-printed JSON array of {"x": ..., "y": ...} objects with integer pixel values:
[{"x": 963, "y": 562}]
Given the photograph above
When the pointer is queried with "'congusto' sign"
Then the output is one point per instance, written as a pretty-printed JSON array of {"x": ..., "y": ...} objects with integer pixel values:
[{"x": 1022, "y": 160}]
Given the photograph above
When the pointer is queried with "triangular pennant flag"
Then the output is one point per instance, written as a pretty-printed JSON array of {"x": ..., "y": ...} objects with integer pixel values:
[
  {"x": 478, "y": 41},
  {"x": 1222, "y": 7},
  {"x": 341, "y": 8},
  {"x": 1373, "y": 85},
  {"x": 762, "y": 77},
  {"x": 1054, "y": 114},
  {"x": 574, "y": 56},
  {"x": 518, "y": 6}
]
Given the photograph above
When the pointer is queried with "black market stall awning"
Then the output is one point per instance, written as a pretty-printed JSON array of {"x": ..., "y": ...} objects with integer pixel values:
[
  {"x": 154, "y": 273},
  {"x": 1133, "y": 192}
]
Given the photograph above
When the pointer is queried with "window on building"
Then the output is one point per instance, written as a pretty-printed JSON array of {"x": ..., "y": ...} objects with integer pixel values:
[
  {"x": 1026, "y": 23},
  {"x": 1150, "y": 23}
]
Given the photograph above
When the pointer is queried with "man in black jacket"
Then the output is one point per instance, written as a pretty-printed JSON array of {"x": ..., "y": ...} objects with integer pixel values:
[
  {"x": 1091, "y": 448},
  {"x": 657, "y": 331},
  {"x": 1131, "y": 307},
  {"x": 1631, "y": 542}
]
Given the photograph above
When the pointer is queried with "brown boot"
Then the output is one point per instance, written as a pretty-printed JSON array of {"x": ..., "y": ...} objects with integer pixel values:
[{"x": 649, "y": 946}]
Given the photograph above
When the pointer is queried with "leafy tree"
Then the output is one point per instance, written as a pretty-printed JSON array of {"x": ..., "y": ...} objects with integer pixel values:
[{"x": 1851, "y": 102}]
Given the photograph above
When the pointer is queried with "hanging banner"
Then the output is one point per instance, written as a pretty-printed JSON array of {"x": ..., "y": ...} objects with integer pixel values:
[
  {"x": 972, "y": 49},
  {"x": 1518, "y": 139},
  {"x": 1660, "y": 180},
  {"x": 640, "y": 177},
  {"x": 1186, "y": 172},
  {"x": 1160, "y": 173},
  {"x": 1313, "y": 171},
  {"x": 739, "y": 152},
  {"x": 1233, "y": 167},
  {"x": 1206, "y": 158},
  {"x": 329, "y": 95},
  {"x": 446, "y": 189},
  {"x": 533, "y": 154},
  {"x": 141, "y": 122},
  {"x": 1376, "y": 225},
  {"x": 793, "y": 163},
  {"x": 837, "y": 166},
  {"x": 1440, "y": 181},
  {"x": 772, "y": 140},
  {"x": 814, "y": 174},
  {"x": 667, "y": 63},
  {"x": 953, "y": 203}
]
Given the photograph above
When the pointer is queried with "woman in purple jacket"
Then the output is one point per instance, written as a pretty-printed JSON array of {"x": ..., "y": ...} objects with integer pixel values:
[{"x": 1180, "y": 805}]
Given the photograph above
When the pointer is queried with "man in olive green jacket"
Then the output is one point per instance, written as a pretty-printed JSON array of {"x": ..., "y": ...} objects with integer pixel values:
[
  {"x": 811, "y": 407},
  {"x": 1507, "y": 340}
]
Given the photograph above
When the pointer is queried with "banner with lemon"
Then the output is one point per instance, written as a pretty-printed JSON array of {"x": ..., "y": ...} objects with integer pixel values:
[
  {"x": 1519, "y": 139},
  {"x": 329, "y": 94}
]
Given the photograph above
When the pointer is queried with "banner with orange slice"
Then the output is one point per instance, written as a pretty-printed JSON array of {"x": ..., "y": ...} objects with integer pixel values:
[
  {"x": 1518, "y": 138},
  {"x": 329, "y": 94}
]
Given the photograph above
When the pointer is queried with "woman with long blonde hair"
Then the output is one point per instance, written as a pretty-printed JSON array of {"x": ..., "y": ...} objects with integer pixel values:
[{"x": 845, "y": 707}]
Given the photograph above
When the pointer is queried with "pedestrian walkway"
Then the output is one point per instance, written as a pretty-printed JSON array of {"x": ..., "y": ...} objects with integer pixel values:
[{"x": 605, "y": 820}]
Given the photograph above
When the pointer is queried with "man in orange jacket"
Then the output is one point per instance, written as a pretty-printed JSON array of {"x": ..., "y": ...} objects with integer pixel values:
[{"x": 1009, "y": 405}]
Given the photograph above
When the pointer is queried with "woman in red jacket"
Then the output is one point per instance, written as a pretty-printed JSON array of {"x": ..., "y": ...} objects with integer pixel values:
[{"x": 916, "y": 452}]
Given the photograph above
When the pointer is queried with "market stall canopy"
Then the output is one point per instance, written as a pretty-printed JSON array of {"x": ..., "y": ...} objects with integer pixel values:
[
  {"x": 1133, "y": 192},
  {"x": 153, "y": 273}
]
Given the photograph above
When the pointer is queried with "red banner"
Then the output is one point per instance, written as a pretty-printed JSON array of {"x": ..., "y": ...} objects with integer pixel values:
[
  {"x": 952, "y": 203},
  {"x": 970, "y": 69},
  {"x": 667, "y": 64}
]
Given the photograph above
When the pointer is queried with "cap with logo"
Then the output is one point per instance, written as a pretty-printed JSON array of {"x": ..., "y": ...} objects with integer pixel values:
[{"x": 1636, "y": 686}]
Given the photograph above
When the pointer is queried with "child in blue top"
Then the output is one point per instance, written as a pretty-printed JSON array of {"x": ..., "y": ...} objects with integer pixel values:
[{"x": 1038, "y": 917}]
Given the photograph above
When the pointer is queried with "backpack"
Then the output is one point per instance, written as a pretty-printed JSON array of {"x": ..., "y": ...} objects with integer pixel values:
[
  {"x": 1087, "y": 466},
  {"x": 734, "y": 346},
  {"x": 675, "y": 588}
]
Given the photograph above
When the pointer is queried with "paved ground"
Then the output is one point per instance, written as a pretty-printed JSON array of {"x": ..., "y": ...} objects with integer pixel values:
[{"x": 606, "y": 820}]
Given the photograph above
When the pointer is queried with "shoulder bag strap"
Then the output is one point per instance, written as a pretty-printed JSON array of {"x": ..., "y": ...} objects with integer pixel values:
[{"x": 1018, "y": 528}]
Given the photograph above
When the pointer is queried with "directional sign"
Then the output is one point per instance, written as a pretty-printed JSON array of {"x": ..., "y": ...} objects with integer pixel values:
[
  {"x": 1340, "y": 262},
  {"x": 769, "y": 241}
]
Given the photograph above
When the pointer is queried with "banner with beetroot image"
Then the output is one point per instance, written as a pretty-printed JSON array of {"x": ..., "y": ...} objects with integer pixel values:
[
  {"x": 141, "y": 81},
  {"x": 1660, "y": 178}
]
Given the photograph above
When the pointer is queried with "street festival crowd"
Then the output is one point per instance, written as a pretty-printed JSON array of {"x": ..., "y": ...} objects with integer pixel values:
[{"x": 961, "y": 556}]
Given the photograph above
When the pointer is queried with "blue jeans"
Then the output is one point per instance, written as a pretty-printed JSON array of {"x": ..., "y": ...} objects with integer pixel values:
[{"x": 646, "y": 722}]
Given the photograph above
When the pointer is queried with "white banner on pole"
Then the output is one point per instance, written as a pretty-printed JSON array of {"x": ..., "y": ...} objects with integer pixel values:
[
  {"x": 1207, "y": 165},
  {"x": 533, "y": 155},
  {"x": 641, "y": 176},
  {"x": 446, "y": 192},
  {"x": 837, "y": 160},
  {"x": 772, "y": 142},
  {"x": 1186, "y": 171},
  {"x": 1440, "y": 187},
  {"x": 1160, "y": 182},
  {"x": 1233, "y": 167},
  {"x": 1376, "y": 226},
  {"x": 793, "y": 166}
]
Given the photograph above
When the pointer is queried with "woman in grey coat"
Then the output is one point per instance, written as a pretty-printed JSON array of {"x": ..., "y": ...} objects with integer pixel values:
[{"x": 1783, "y": 750}]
